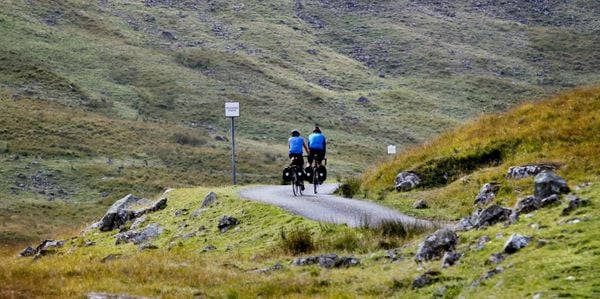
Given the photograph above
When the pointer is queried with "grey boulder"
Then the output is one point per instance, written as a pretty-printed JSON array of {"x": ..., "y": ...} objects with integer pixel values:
[
  {"x": 515, "y": 243},
  {"x": 524, "y": 171},
  {"x": 547, "y": 183},
  {"x": 436, "y": 245},
  {"x": 486, "y": 194},
  {"x": 407, "y": 180}
]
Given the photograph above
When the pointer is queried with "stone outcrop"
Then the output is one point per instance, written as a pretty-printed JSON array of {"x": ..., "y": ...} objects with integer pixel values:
[
  {"x": 492, "y": 215},
  {"x": 528, "y": 204},
  {"x": 121, "y": 212},
  {"x": 486, "y": 194},
  {"x": 486, "y": 217},
  {"x": 436, "y": 245},
  {"x": 547, "y": 183},
  {"x": 46, "y": 247},
  {"x": 524, "y": 171},
  {"x": 407, "y": 180},
  {"x": 151, "y": 231}
]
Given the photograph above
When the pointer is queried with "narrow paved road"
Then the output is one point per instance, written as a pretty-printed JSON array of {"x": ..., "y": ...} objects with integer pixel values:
[{"x": 328, "y": 208}]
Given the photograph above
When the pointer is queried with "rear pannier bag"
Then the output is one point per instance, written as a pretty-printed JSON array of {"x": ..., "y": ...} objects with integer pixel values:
[
  {"x": 287, "y": 174},
  {"x": 322, "y": 173},
  {"x": 308, "y": 175}
]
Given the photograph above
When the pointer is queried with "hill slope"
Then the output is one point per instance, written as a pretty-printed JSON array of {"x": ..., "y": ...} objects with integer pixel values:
[
  {"x": 371, "y": 74},
  {"x": 561, "y": 131},
  {"x": 255, "y": 259}
]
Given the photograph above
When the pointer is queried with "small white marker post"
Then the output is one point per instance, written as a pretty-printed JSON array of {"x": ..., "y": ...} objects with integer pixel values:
[
  {"x": 391, "y": 149},
  {"x": 232, "y": 110}
]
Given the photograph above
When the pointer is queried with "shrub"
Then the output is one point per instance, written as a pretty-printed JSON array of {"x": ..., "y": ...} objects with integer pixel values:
[
  {"x": 297, "y": 241},
  {"x": 350, "y": 186}
]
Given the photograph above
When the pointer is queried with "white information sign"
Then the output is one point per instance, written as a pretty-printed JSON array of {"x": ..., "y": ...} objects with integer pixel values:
[
  {"x": 391, "y": 149},
  {"x": 232, "y": 109}
]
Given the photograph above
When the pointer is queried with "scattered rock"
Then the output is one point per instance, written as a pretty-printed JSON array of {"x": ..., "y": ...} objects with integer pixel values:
[
  {"x": 528, "y": 204},
  {"x": 407, "y": 180},
  {"x": 28, "y": 251},
  {"x": 89, "y": 243},
  {"x": 197, "y": 213},
  {"x": 117, "y": 214},
  {"x": 147, "y": 246},
  {"x": 420, "y": 204},
  {"x": 48, "y": 246},
  {"x": 481, "y": 243},
  {"x": 209, "y": 199},
  {"x": 394, "y": 255},
  {"x": 153, "y": 230},
  {"x": 138, "y": 222},
  {"x": 110, "y": 257},
  {"x": 327, "y": 261},
  {"x": 491, "y": 273},
  {"x": 97, "y": 295},
  {"x": 426, "y": 279},
  {"x": 226, "y": 223},
  {"x": 550, "y": 200},
  {"x": 168, "y": 36},
  {"x": 180, "y": 212},
  {"x": 492, "y": 215},
  {"x": 105, "y": 194},
  {"x": 573, "y": 202},
  {"x": 449, "y": 259},
  {"x": 547, "y": 183},
  {"x": 221, "y": 138},
  {"x": 363, "y": 100},
  {"x": 520, "y": 172},
  {"x": 275, "y": 267},
  {"x": 497, "y": 258},
  {"x": 467, "y": 223},
  {"x": 155, "y": 206},
  {"x": 486, "y": 194},
  {"x": 436, "y": 244},
  {"x": 209, "y": 248},
  {"x": 312, "y": 51},
  {"x": 516, "y": 242}
]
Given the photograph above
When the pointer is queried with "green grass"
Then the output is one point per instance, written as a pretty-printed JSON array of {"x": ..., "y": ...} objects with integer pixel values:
[{"x": 560, "y": 260}]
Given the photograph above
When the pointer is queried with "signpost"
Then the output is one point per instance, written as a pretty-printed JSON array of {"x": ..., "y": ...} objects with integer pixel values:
[
  {"x": 232, "y": 110},
  {"x": 391, "y": 149}
]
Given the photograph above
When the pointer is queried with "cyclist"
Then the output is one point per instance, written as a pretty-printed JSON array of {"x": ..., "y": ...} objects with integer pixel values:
[
  {"x": 296, "y": 146},
  {"x": 317, "y": 146}
]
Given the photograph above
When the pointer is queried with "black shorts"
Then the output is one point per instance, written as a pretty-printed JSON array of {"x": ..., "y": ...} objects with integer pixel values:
[
  {"x": 318, "y": 154},
  {"x": 298, "y": 161}
]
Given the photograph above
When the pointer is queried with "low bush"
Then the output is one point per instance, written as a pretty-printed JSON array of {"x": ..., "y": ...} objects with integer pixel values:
[{"x": 297, "y": 241}]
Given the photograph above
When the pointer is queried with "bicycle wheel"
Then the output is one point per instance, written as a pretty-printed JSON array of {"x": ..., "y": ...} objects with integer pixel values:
[
  {"x": 315, "y": 179},
  {"x": 295, "y": 187}
]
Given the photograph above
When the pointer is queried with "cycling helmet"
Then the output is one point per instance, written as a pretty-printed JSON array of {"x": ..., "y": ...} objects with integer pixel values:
[{"x": 295, "y": 132}]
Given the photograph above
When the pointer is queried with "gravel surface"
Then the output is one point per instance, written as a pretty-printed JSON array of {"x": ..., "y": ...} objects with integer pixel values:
[{"x": 326, "y": 207}]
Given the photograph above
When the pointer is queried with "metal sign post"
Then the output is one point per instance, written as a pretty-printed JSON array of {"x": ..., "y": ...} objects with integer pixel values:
[{"x": 232, "y": 110}]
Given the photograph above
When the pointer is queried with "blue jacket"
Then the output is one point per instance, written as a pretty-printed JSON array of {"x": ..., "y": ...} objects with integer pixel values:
[
  {"x": 296, "y": 145},
  {"x": 316, "y": 141}
]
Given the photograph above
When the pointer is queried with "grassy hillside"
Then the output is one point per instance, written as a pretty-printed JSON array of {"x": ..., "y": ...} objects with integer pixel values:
[
  {"x": 560, "y": 261},
  {"x": 142, "y": 82},
  {"x": 562, "y": 130}
]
